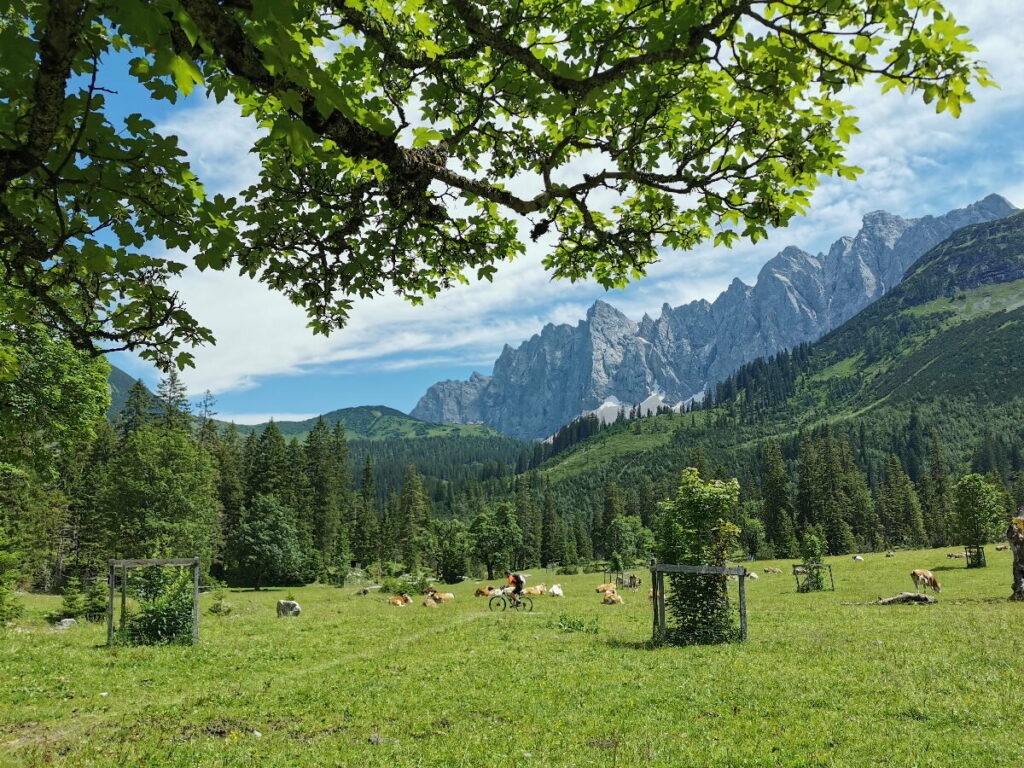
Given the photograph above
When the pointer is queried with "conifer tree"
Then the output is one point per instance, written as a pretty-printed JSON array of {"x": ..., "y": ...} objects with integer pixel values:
[
  {"x": 365, "y": 531},
  {"x": 528, "y": 518},
  {"x": 413, "y": 530},
  {"x": 777, "y": 508},
  {"x": 936, "y": 494},
  {"x": 229, "y": 460},
  {"x": 324, "y": 495},
  {"x": 269, "y": 470},
  {"x": 174, "y": 409},
  {"x": 553, "y": 541},
  {"x": 584, "y": 542},
  {"x": 137, "y": 410}
]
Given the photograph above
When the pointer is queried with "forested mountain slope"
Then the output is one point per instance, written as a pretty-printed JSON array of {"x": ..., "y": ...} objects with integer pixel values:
[
  {"x": 566, "y": 370},
  {"x": 939, "y": 357}
]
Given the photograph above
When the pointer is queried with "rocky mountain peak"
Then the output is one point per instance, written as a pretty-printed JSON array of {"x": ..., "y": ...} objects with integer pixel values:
[{"x": 568, "y": 370}]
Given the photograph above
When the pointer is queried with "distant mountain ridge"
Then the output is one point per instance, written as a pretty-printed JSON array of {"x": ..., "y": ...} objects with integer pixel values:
[
  {"x": 566, "y": 370},
  {"x": 370, "y": 422}
]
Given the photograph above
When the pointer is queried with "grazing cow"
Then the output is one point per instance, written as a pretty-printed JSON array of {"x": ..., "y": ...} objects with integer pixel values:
[
  {"x": 288, "y": 608},
  {"x": 536, "y": 591},
  {"x": 858, "y": 559},
  {"x": 611, "y": 597},
  {"x": 634, "y": 582},
  {"x": 956, "y": 555},
  {"x": 890, "y": 553},
  {"x": 400, "y": 600},
  {"x": 556, "y": 591},
  {"x": 923, "y": 579},
  {"x": 605, "y": 588},
  {"x": 362, "y": 592},
  {"x": 752, "y": 575}
]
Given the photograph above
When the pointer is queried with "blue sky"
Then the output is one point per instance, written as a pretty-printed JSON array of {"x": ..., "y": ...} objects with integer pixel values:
[{"x": 266, "y": 363}]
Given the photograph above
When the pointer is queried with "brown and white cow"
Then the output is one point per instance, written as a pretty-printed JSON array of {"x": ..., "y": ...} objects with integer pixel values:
[{"x": 923, "y": 579}]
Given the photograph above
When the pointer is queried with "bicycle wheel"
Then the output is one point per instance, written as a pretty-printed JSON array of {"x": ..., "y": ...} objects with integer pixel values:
[
  {"x": 525, "y": 604},
  {"x": 497, "y": 603}
]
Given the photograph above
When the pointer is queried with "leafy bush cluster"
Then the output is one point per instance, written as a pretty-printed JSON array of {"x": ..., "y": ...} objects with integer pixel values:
[
  {"x": 567, "y": 623},
  {"x": 90, "y": 604},
  {"x": 406, "y": 583},
  {"x": 163, "y": 618},
  {"x": 694, "y": 530}
]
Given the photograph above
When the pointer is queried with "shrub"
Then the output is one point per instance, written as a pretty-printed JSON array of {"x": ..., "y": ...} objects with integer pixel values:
[
  {"x": 694, "y": 530},
  {"x": 96, "y": 597},
  {"x": 10, "y": 606},
  {"x": 567, "y": 623},
  {"x": 166, "y": 618},
  {"x": 73, "y": 604},
  {"x": 406, "y": 583},
  {"x": 812, "y": 550},
  {"x": 220, "y": 606},
  {"x": 568, "y": 570}
]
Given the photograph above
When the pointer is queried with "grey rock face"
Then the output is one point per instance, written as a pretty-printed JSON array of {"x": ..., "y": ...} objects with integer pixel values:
[{"x": 566, "y": 370}]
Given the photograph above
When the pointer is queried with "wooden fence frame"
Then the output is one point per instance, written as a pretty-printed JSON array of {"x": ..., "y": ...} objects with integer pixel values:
[
  {"x": 799, "y": 569},
  {"x": 658, "y": 571},
  {"x": 125, "y": 566},
  {"x": 975, "y": 556}
]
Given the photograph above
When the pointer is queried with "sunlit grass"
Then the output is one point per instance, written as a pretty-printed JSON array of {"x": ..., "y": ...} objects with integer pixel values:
[{"x": 355, "y": 682}]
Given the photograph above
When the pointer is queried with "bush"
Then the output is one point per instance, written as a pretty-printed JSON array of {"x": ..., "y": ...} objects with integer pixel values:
[
  {"x": 568, "y": 570},
  {"x": 406, "y": 583},
  {"x": 812, "y": 550},
  {"x": 10, "y": 606},
  {"x": 96, "y": 597},
  {"x": 567, "y": 623},
  {"x": 595, "y": 567},
  {"x": 220, "y": 606},
  {"x": 73, "y": 604},
  {"x": 166, "y": 618},
  {"x": 694, "y": 530}
]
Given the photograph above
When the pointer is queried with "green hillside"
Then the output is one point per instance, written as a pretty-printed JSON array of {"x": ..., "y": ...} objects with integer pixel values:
[
  {"x": 945, "y": 347},
  {"x": 376, "y": 422}
]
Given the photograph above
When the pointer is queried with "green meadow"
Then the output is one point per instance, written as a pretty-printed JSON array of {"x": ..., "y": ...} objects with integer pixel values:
[{"x": 357, "y": 682}]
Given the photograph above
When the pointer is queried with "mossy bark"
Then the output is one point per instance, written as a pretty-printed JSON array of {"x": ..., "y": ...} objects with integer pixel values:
[{"x": 1015, "y": 535}]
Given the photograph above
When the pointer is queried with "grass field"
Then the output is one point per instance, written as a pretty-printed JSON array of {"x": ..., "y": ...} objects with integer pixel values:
[{"x": 355, "y": 682}]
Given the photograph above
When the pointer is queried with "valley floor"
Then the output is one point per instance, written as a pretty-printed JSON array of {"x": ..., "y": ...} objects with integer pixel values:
[{"x": 355, "y": 682}]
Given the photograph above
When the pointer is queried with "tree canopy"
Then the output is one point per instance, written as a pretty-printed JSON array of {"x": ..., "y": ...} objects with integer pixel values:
[{"x": 411, "y": 145}]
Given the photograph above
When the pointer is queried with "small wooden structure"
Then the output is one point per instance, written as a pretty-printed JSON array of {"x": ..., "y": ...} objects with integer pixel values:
[
  {"x": 658, "y": 571},
  {"x": 125, "y": 566},
  {"x": 975, "y": 557},
  {"x": 807, "y": 574}
]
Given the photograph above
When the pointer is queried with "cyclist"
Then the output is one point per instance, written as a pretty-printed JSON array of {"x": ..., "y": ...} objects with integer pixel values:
[{"x": 516, "y": 580}]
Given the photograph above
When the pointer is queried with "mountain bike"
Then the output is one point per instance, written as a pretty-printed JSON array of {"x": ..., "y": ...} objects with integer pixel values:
[{"x": 504, "y": 602}]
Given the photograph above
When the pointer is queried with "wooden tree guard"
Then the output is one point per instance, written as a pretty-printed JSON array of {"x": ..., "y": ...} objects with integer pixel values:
[
  {"x": 125, "y": 566},
  {"x": 658, "y": 571},
  {"x": 804, "y": 570},
  {"x": 975, "y": 557}
]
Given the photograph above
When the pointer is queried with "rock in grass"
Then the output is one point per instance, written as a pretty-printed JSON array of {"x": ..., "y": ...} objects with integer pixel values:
[{"x": 66, "y": 623}]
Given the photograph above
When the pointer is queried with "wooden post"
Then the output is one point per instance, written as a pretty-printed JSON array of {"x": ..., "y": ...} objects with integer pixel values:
[
  {"x": 195, "y": 602},
  {"x": 124, "y": 594},
  {"x": 110, "y": 604},
  {"x": 743, "y": 605},
  {"x": 661, "y": 606}
]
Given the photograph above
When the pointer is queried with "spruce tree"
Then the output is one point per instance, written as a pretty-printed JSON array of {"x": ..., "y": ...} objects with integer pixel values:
[
  {"x": 413, "y": 530},
  {"x": 174, "y": 409},
  {"x": 777, "y": 508},
  {"x": 137, "y": 410},
  {"x": 553, "y": 540},
  {"x": 324, "y": 499},
  {"x": 269, "y": 469}
]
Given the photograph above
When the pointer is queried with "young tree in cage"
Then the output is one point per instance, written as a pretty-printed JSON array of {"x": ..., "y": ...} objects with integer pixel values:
[
  {"x": 1015, "y": 535},
  {"x": 978, "y": 507},
  {"x": 812, "y": 552},
  {"x": 694, "y": 530}
]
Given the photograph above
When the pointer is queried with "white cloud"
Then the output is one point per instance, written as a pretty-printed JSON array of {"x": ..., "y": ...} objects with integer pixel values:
[{"x": 902, "y": 149}]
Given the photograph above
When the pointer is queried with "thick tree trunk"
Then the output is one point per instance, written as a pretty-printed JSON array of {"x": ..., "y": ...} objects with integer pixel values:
[{"x": 1015, "y": 535}]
